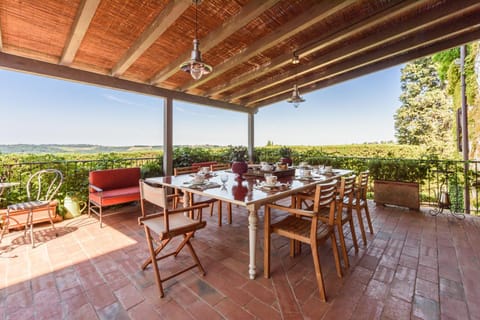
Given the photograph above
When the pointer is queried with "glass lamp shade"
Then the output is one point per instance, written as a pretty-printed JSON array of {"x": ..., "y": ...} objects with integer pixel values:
[
  {"x": 195, "y": 66},
  {"x": 296, "y": 99}
]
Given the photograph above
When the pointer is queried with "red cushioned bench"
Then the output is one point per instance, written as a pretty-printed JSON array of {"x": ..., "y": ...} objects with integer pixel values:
[{"x": 112, "y": 187}]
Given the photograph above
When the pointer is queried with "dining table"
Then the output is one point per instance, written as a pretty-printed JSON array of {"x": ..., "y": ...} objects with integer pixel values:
[{"x": 249, "y": 191}]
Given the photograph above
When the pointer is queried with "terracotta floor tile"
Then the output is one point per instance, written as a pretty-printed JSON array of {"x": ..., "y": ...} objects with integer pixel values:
[
  {"x": 427, "y": 289},
  {"x": 85, "y": 311},
  {"x": 129, "y": 296},
  {"x": 377, "y": 290},
  {"x": 409, "y": 270},
  {"x": 101, "y": 296},
  {"x": 231, "y": 310},
  {"x": 261, "y": 310},
  {"x": 368, "y": 309},
  {"x": 21, "y": 313},
  {"x": 427, "y": 273},
  {"x": 143, "y": 311},
  {"x": 425, "y": 308},
  {"x": 396, "y": 309},
  {"x": 453, "y": 309},
  {"x": 113, "y": 311},
  {"x": 452, "y": 289}
]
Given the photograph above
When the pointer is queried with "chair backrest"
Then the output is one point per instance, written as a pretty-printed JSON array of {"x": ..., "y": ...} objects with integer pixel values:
[
  {"x": 219, "y": 166},
  {"x": 153, "y": 194},
  {"x": 114, "y": 178},
  {"x": 325, "y": 198},
  {"x": 184, "y": 170},
  {"x": 363, "y": 185},
  {"x": 345, "y": 193},
  {"x": 44, "y": 184}
]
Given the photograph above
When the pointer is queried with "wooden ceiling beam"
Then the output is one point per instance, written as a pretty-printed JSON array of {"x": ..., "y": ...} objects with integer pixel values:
[
  {"x": 375, "y": 66},
  {"x": 248, "y": 13},
  {"x": 85, "y": 13},
  {"x": 16, "y": 63},
  {"x": 284, "y": 32},
  {"x": 314, "y": 45},
  {"x": 164, "y": 20},
  {"x": 464, "y": 18},
  {"x": 413, "y": 44}
]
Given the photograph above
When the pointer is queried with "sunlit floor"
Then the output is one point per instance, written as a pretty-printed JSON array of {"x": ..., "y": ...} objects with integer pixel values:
[{"x": 414, "y": 266}]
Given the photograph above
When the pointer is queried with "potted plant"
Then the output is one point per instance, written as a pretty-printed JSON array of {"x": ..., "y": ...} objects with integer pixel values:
[
  {"x": 396, "y": 182},
  {"x": 238, "y": 156},
  {"x": 285, "y": 154}
]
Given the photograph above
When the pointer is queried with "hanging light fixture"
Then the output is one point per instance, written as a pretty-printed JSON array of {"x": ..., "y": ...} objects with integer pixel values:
[
  {"x": 295, "y": 59},
  {"x": 296, "y": 99},
  {"x": 195, "y": 66}
]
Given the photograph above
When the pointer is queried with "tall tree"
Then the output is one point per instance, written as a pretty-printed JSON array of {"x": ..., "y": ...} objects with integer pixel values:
[{"x": 425, "y": 116}]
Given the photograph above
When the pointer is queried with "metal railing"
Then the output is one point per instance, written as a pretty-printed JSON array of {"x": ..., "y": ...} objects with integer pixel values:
[
  {"x": 433, "y": 176},
  {"x": 75, "y": 174}
]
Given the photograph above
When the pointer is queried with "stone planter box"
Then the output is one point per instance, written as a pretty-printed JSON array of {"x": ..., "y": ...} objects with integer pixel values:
[{"x": 404, "y": 194}]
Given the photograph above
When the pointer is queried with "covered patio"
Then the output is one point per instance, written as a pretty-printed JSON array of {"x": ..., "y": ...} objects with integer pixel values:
[
  {"x": 415, "y": 266},
  {"x": 259, "y": 52}
]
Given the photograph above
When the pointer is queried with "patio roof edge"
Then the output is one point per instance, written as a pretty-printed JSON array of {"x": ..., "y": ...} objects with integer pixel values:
[{"x": 22, "y": 64}]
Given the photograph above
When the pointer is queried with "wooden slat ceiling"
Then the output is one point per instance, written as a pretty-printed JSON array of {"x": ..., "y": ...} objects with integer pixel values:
[{"x": 138, "y": 45}]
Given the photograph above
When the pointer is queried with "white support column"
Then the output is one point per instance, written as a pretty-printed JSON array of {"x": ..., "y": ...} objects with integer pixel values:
[
  {"x": 465, "y": 150},
  {"x": 251, "y": 133},
  {"x": 168, "y": 136}
]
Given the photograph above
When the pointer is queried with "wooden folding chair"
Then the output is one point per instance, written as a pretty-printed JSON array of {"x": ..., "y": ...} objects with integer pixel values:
[{"x": 168, "y": 224}]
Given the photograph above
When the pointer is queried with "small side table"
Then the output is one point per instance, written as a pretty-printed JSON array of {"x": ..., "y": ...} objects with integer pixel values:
[{"x": 4, "y": 185}]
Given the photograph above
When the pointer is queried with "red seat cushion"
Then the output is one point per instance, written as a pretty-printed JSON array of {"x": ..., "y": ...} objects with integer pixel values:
[{"x": 117, "y": 196}]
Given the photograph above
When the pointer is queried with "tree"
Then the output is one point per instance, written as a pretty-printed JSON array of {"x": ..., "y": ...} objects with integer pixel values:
[{"x": 425, "y": 116}]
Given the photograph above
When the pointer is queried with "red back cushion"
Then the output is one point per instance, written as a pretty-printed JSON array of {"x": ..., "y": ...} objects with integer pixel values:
[{"x": 114, "y": 178}]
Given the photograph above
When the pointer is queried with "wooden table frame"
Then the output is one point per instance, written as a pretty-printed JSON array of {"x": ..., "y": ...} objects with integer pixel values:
[{"x": 253, "y": 200}]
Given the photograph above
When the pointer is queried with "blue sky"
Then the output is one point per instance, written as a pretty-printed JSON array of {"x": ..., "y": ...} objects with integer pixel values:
[{"x": 40, "y": 110}]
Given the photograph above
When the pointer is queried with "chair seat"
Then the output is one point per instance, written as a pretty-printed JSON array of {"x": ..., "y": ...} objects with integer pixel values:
[
  {"x": 29, "y": 205},
  {"x": 116, "y": 196},
  {"x": 178, "y": 224},
  {"x": 324, "y": 215},
  {"x": 299, "y": 228}
]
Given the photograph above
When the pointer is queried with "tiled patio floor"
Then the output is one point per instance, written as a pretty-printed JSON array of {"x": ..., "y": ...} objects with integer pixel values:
[{"x": 415, "y": 267}]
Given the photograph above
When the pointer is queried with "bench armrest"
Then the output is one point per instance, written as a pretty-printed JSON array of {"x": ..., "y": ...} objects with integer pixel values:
[{"x": 95, "y": 188}]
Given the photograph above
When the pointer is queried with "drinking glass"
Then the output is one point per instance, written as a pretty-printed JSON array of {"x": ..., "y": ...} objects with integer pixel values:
[{"x": 224, "y": 178}]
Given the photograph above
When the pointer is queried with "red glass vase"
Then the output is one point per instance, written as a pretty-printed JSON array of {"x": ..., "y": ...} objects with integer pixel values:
[{"x": 239, "y": 167}]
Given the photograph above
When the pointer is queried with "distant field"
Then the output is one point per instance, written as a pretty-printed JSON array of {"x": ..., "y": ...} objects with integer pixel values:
[
  {"x": 73, "y": 148},
  {"x": 90, "y": 151}
]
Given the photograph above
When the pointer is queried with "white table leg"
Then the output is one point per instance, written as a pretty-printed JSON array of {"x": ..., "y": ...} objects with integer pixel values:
[{"x": 252, "y": 235}]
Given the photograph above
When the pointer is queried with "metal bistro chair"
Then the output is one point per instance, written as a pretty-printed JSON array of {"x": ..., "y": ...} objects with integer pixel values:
[{"x": 42, "y": 186}]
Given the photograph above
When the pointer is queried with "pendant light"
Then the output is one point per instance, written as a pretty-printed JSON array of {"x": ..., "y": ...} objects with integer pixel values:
[
  {"x": 195, "y": 66},
  {"x": 296, "y": 99}
]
